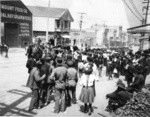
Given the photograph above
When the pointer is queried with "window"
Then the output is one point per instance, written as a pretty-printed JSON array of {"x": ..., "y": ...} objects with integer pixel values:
[
  {"x": 57, "y": 23},
  {"x": 62, "y": 25},
  {"x": 66, "y": 24},
  {"x": 69, "y": 25}
]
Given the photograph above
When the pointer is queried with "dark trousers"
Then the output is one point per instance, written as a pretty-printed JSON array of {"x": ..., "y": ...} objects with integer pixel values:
[
  {"x": 43, "y": 94},
  {"x": 72, "y": 93},
  {"x": 113, "y": 105},
  {"x": 132, "y": 89},
  {"x": 129, "y": 80},
  {"x": 35, "y": 99},
  {"x": 49, "y": 92},
  {"x": 59, "y": 100}
]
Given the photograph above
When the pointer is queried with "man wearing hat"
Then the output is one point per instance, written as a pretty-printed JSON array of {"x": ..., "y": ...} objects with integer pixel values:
[
  {"x": 129, "y": 72},
  {"x": 45, "y": 69},
  {"x": 72, "y": 80},
  {"x": 118, "y": 98},
  {"x": 59, "y": 76},
  {"x": 138, "y": 81},
  {"x": 50, "y": 84},
  {"x": 34, "y": 84}
]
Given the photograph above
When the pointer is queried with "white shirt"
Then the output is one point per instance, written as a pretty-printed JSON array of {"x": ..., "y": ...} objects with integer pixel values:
[{"x": 91, "y": 78}]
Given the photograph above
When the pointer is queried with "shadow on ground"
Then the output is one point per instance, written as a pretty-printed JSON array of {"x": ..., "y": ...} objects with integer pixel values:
[{"x": 12, "y": 109}]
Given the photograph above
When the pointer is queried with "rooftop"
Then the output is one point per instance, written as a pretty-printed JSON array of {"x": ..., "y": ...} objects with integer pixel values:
[{"x": 39, "y": 11}]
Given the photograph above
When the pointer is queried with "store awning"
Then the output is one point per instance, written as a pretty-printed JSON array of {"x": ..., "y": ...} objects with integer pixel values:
[
  {"x": 139, "y": 29},
  {"x": 66, "y": 36}
]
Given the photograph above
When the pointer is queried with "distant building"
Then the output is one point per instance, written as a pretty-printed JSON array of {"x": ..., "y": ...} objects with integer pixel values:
[
  {"x": 83, "y": 39},
  {"x": 139, "y": 22},
  {"x": 59, "y": 23},
  {"x": 142, "y": 35},
  {"x": 109, "y": 36}
]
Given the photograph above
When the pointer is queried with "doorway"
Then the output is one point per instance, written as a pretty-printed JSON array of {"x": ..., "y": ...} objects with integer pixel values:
[{"x": 11, "y": 34}]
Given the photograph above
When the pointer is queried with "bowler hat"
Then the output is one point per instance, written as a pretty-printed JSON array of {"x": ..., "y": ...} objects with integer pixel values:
[
  {"x": 59, "y": 61},
  {"x": 139, "y": 69},
  {"x": 38, "y": 64},
  {"x": 48, "y": 58},
  {"x": 120, "y": 84},
  {"x": 70, "y": 63}
]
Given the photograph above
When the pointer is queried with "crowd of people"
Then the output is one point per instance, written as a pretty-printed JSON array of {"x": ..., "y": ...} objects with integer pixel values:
[{"x": 57, "y": 70}]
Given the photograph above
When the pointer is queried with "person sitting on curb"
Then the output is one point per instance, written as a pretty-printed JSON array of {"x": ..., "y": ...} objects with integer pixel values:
[{"x": 118, "y": 98}]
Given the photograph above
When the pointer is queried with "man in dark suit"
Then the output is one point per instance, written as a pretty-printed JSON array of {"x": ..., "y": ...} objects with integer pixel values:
[
  {"x": 138, "y": 81},
  {"x": 44, "y": 84},
  {"x": 129, "y": 73},
  {"x": 34, "y": 84}
]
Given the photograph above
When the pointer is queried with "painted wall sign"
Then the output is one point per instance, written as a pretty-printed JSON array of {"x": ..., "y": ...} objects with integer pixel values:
[
  {"x": 15, "y": 12},
  {"x": 24, "y": 29}
]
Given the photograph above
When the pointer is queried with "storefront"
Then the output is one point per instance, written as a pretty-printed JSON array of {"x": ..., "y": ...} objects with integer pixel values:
[
  {"x": 144, "y": 37},
  {"x": 16, "y": 23},
  {"x": 144, "y": 42}
]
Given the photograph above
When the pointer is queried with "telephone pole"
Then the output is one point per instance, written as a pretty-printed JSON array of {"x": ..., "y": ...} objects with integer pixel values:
[
  {"x": 147, "y": 12},
  {"x": 0, "y": 23},
  {"x": 81, "y": 20},
  {"x": 147, "y": 9},
  {"x": 80, "y": 25}
]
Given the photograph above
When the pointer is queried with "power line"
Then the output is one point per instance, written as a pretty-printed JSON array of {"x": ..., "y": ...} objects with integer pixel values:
[
  {"x": 131, "y": 10},
  {"x": 135, "y": 8}
]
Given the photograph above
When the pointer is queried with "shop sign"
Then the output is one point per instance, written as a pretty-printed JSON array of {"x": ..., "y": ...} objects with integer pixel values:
[
  {"x": 19, "y": 17},
  {"x": 14, "y": 11},
  {"x": 24, "y": 30}
]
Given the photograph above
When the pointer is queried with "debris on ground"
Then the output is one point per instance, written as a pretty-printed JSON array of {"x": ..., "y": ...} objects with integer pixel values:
[{"x": 138, "y": 106}]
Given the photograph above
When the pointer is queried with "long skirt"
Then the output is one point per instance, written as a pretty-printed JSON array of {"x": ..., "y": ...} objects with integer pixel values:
[{"x": 87, "y": 94}]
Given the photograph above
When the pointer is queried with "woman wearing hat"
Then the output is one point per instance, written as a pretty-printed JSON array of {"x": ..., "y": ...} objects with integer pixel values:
[{"x": 118, "y": 98}]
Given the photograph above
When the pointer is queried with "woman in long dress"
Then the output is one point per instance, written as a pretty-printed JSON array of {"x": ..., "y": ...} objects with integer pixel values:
[{"x": 88, "y": 91}]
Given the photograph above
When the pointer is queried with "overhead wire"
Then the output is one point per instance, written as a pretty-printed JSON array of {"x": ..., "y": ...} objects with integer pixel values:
[
  {"x": 131, "y": 10},
  {"x": 135, "y": 8}
]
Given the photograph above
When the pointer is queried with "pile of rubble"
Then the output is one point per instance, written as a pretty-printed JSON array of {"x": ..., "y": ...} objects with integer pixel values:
[{"x": 138, "y": 106}]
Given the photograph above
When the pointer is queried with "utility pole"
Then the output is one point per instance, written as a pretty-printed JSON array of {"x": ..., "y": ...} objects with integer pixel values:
[
  {"x": 147, "y": 8},
  {"x": 0, "y": 24},
  {"x": 81, "y": 20},
  {"x": 47, "y": 35},
  {"x": 80, "y": 25}
]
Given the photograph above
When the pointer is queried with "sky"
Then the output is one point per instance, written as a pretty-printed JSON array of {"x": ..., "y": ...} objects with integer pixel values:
[{"x": 110, "y": 12}]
